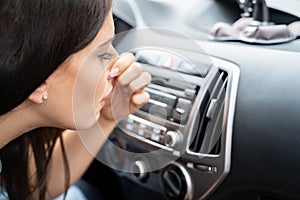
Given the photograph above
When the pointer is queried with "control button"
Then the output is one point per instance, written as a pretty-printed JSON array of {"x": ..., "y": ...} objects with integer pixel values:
[
  {"x": 190, "y": 93},
  {"x": 130, "y": 121},
  {"x": 155, "y": 137},
  {"x": 205, "y": 168},
  {"x": 157, "y": 108},
  {"x": 181, "y": 112},
  {"x": 147, "y": 134},
  {"x": 143, "y": 126},
  {"x": 211, "y": 109},
  {"x": 171, "y": 138},
  {"x": 139, "y": 169},
  {"x": 156, "y": 131},
  {"x": 129, "y": 127},
  {"x": 141, "y": 132}
]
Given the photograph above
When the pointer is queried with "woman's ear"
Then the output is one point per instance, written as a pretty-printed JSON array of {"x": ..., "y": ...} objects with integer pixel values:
[{"x": 39, "y": 95}]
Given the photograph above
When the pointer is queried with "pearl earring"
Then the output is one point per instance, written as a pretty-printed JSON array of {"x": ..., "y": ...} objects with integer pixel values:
[{"x": 45, "y": 97}]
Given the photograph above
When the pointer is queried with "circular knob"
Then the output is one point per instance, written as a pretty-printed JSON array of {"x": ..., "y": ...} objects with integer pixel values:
[
  {"x": 139, "y": 169},
  {"x": 171, "y": 138},
  {"x": 176, "y": 182}
]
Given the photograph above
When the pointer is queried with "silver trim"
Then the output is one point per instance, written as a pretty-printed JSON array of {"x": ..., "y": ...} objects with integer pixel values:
[
  {"x": 178, "y": 93},
  {"x": 142, "y": 171},
  {"x": 160, "y": 93},
  {"x": 158, "y": 103},
  {"x": 234, "y": 74}
]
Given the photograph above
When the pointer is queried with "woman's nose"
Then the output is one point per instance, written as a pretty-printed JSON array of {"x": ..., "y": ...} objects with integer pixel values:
[{"x": 115, "y": 57}]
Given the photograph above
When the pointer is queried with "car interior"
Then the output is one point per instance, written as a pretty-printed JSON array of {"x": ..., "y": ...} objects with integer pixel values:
[{"x": 223, "y": 119}]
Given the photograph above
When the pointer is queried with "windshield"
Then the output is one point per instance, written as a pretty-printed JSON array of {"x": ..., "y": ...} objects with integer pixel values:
[{"x": 290, "y": 6}]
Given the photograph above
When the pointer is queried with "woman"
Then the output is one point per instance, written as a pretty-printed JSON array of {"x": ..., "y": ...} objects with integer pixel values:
[{"x": 62, "y": 88}]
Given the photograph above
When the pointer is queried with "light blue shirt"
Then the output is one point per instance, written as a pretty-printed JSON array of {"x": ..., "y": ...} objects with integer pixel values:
[
  {"x": 3, "y": 195},
  {"x": 74, "y": 193}
]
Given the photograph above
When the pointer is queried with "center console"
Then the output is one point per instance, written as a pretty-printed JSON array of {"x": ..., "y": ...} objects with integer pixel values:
[{"x": 181, "y": 139}]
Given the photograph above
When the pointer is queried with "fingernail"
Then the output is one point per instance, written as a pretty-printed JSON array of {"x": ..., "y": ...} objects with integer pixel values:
[{"x": 113, "y": 73}]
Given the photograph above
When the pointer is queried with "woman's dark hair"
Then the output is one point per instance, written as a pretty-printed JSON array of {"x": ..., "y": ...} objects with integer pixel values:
[{"x": 36, "y": 36}]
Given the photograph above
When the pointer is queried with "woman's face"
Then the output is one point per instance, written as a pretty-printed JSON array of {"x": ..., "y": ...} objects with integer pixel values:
[{"x": 77, "y": 89}]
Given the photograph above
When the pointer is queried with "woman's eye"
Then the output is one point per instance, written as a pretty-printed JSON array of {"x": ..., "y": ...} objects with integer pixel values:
[{"x": 106, "y": 56}]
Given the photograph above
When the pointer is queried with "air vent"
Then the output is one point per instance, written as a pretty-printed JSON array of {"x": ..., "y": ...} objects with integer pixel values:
[
  {"x": 170, "y": 99},
  {"x": 207, "y": 139}
]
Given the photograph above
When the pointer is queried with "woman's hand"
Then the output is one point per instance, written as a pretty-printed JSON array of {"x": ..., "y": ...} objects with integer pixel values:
[{"x": 128, "y": 94}]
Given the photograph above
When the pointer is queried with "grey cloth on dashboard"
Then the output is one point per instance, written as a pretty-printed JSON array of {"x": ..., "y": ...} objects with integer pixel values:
[{"x": 247, "y": 30}]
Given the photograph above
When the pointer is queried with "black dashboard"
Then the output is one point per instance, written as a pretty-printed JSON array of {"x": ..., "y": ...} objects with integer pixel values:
[{"x": 223, "y": 121}]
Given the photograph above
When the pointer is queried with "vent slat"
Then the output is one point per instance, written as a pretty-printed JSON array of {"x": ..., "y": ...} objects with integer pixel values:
[
  {"x": 195, "y": 147},
  {"x": 207, "y": 138}
]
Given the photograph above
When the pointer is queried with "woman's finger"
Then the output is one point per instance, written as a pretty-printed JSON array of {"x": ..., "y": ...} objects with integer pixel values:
[
  {"x": 140, "y": 82},
  {"x": 140, "y": 98},
  {"x": 121, "y": 64},
  {"x": 133, "y": 72}
]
